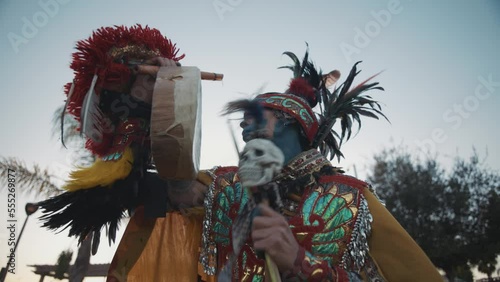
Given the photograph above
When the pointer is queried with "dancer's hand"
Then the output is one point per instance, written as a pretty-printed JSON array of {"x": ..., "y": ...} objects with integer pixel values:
[
  {"x": 272, "y": 234},
  {"x": 144, "y": 83},
  {"x": 162, "y": 62}
]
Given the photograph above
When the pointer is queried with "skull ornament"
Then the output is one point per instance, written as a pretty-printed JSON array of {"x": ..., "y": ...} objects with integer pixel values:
[{"x": 260, "y": 161}]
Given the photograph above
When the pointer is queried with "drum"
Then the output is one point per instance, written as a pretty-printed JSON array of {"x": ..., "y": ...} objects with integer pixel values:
[{"x": 176, "y": 122}]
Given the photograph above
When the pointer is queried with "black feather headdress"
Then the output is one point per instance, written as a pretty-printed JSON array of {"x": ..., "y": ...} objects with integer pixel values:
[
  {"x": 309, "y": 89},
  {"x": 344, "y": 103}
]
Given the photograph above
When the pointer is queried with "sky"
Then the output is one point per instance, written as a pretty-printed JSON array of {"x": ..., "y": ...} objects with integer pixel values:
[{"x": 439, "y": 61}]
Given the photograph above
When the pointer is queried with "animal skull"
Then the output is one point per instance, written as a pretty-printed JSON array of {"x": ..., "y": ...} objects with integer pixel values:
[{"x": 260, "y": 161}]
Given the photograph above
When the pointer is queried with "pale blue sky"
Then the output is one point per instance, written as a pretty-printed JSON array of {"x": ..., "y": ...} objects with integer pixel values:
[{"x": 436, "y": 57}]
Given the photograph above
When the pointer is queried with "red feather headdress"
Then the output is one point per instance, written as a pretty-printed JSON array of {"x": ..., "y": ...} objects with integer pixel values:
[{"x": 105, "y": 54}]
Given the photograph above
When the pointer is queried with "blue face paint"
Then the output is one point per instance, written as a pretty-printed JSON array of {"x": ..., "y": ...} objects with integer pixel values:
[
  {"x": 287, "y": 138},
  {"x": 253, "y": 129},
  {"x": 250, "y": 131}
]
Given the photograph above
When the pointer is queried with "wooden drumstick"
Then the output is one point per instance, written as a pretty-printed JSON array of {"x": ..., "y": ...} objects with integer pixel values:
[
  {"x": 153, "y": 70},
  {"x": 211, "y": 76}
]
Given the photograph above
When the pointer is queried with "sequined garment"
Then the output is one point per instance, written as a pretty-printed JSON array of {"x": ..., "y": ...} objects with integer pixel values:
[{"x": 330, "y": 221}]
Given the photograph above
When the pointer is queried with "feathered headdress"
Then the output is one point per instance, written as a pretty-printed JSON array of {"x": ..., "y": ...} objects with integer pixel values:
[
  {"x": 343, "y": 103},
  {"x": 98, "y": 195},
  {"x": 103, "y": 62},
  {"x": 308, "y": 89}
]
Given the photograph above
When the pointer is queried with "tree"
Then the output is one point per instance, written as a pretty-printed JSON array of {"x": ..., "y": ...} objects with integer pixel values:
[
  {"x": 40, "y": 181},
  {"x": 452, "y": 216},
  {"x": 487, "y": 267},
  {"x": 63, "y": 263}
]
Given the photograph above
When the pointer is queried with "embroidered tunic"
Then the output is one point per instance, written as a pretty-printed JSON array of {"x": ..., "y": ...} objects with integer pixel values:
[
  {"x": 330, "y": 221},
  {"x": 342, "y": 227}
]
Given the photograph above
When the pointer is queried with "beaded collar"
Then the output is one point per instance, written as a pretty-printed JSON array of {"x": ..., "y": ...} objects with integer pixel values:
[
  {"x": 304, "y": 164},
  {"x": 298, "y": 175}
]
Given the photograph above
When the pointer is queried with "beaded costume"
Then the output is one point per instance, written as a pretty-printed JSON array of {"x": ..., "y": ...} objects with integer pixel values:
[
  {"x": 338, "y": 221},
  {"x": 344, "y": 232},
  {"x": 330, "y": 220}
]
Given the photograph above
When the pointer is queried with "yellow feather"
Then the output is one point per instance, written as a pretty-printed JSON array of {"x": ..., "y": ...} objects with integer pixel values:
[{"x": 101, "y": 173}]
